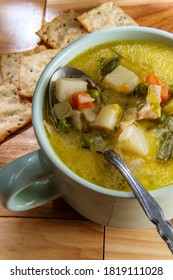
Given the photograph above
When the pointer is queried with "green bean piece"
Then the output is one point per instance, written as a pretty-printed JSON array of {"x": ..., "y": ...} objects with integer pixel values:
[
  {"x": 110, "y": 65},
  {"x": 165, "y": 147},
  {"x": 162, "y": 118},
  {"x": 171, "y": 89},
  {"x": 87, "y": 140},
  {"x": 141, "y": 90},
  {"x": 168, "y": 124}
]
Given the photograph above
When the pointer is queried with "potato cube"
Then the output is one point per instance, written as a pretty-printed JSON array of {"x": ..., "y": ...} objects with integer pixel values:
[
  {"x": 121, "y": 80},
  {"x": 132, "y": 139},
  {"x": 108, "y": 116},
  {"x": 66, "y": 87}
]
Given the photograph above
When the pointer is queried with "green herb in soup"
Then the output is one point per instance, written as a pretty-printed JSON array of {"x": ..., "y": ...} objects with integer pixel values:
[{"x": 130, "y": 110}]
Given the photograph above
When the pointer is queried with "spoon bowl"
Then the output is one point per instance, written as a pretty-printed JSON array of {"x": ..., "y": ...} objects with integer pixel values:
[{"x": 68, "y": 72}]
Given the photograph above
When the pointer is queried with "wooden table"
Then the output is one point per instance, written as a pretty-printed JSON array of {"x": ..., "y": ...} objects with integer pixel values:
[{"x": 55, "y": 231}]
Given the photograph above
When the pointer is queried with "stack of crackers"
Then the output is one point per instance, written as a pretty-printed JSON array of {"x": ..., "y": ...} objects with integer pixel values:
[{"x": 19, "y": 72}]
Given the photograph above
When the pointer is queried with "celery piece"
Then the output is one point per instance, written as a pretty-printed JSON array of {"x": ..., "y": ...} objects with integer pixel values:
[
  {"x": 62, "y": 110},
  {"x": 154, "y": 99}
]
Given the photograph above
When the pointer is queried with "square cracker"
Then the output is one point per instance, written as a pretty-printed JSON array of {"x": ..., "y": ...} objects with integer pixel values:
[
  {"x": 62, "y": 30},
  {"x": 31, "y": 68},
  {"x": 104, "y": 16},
  {"x": 10, "y": 63},
  {"x": 14, "y": 111},
  {"x": 1, "y": 80},
  {"x": 10, "y": 66}
]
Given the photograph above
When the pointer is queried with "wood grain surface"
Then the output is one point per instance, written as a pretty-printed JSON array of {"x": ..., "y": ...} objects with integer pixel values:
[{"x": 55, "y": 230}]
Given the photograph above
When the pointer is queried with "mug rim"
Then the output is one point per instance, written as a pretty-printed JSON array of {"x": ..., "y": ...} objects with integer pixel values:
[{"x": 42, "y": 84}]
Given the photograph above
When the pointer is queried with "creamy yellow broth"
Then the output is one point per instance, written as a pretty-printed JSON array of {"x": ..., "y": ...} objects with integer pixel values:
[{"x": 142, "y": 58}]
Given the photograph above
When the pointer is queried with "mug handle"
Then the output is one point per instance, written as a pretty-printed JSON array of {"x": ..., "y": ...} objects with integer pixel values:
[{"x": 27, "y": 182}]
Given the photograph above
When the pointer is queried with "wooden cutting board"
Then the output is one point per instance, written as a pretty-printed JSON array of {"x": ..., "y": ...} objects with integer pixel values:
[
  {"x": 19, "y": 21},
  {"x": 153, "y": 13}
]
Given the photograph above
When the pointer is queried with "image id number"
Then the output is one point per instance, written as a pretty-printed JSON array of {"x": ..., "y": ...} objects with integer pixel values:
[{"x": 133, "y": 270}]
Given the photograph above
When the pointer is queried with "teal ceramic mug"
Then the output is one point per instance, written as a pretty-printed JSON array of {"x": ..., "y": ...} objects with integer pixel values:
[{"x": 41, "y": 176}]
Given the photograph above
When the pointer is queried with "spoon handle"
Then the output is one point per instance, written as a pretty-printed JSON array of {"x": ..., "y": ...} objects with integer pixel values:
[{"x": 148, "y": 203}]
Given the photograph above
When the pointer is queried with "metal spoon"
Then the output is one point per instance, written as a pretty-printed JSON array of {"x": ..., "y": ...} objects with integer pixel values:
[
  {"x": 68, "y": 72},
  {"x": 148, "y": 203}
]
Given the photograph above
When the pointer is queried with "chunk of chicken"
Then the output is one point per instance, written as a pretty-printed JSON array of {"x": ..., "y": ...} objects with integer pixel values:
[
  {"x": 129, "y": 117},
  {"x": 152, "y": 108}
]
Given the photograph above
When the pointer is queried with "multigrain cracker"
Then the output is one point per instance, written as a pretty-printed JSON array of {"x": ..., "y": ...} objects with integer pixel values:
[
  {"x": 1, "y": 80},
  {"x": 10, "y": 66},
  {"x": 14, "y": 111},
  {"x": 31, "y": 68},
  {"x": 33, "y": 51},
  {"x": 10, "y": 63},
  {"x": 62, "y": 30},
  {"x": 19, "y": 72},
  {"x": 104, "y": 16}
]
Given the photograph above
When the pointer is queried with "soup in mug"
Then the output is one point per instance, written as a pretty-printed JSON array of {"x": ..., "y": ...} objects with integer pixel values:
[{"x": 130, "y": 110}]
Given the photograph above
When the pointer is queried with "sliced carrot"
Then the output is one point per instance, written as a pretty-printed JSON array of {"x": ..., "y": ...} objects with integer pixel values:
[
  {"x": 164, "y": 92},
  {"x": 82, "y": 100},
  {"x": 152, "y": 80}
]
